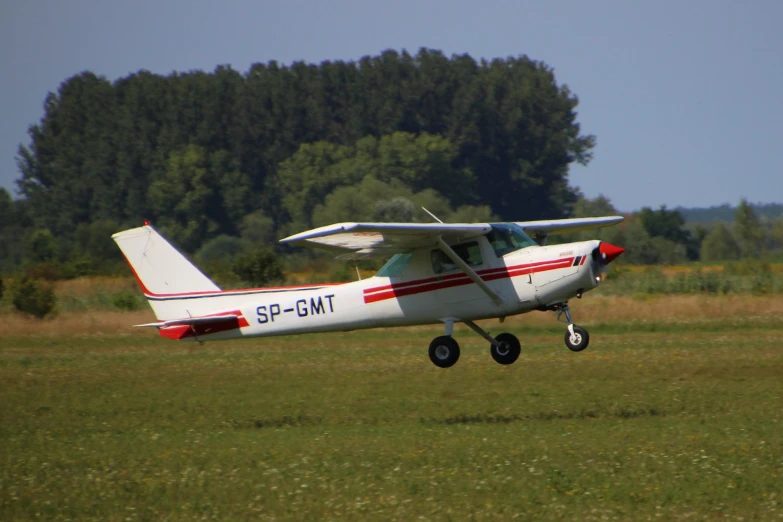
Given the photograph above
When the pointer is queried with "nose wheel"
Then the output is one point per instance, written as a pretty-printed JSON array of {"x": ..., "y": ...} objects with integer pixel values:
[{"x": 576, "y": 337}]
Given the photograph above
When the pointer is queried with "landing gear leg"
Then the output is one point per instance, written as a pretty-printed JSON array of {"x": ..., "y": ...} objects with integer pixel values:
[
  {"x": 576, "y": 337},
  {"x": 504, "y": 348}
]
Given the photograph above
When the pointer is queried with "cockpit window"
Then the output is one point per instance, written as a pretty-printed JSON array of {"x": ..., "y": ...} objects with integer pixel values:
[
  {"x": 395, "y": 266},
  {"x": 508, "y": 237},
  {"x": 468, "y": 252}
]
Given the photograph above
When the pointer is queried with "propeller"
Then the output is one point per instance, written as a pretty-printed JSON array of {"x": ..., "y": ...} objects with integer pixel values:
[
  {"x": 608, "y": 252},
  {"x": 604, "y": 254}
]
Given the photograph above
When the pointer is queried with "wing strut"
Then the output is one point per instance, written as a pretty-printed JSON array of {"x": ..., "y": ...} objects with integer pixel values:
[{"x": 469, "y": 272}]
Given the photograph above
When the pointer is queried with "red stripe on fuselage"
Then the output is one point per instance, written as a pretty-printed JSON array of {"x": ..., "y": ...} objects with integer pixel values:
[
  {"x": 484, "y": 273},
  {"x": 381, "y": 293}
]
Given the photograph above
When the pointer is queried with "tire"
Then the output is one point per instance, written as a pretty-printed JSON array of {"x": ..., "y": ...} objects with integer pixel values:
[
  {"x": 444, "y": 351},
  {"x": 579, "y": 341},
  {"x": 508, "y": 351}
]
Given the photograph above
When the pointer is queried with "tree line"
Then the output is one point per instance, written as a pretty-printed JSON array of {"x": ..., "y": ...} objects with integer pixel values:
[
  {"x": 260, "y": 154},
  {"x": 225, "y": 163},
  {"x": 662, "y": 236}
]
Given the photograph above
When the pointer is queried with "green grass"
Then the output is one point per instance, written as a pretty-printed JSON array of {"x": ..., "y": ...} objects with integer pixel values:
[{"x": 670, "y": 423}]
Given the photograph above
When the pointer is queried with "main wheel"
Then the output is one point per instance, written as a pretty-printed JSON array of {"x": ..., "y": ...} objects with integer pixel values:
[
  {"x": 444, "y": 351},
  {"x": 507, "y": 351},
  {"x": 578, "y": 341}
]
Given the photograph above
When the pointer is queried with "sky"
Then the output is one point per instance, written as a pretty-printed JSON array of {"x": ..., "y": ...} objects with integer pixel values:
[{"x": 684, "y": 97}]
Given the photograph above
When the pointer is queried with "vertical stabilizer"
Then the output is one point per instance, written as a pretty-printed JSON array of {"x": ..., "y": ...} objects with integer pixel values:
[{"x": 161, "y": 270}]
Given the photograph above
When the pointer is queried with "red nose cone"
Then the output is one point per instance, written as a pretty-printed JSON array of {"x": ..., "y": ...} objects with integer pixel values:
[{"x": 610, "y": 252}]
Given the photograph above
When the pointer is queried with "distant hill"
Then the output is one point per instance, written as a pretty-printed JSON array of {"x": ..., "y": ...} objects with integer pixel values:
[{"x": 725, "y": 212}]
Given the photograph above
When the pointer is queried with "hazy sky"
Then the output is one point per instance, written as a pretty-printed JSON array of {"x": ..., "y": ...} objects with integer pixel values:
[{"x": 684, "y": 96}]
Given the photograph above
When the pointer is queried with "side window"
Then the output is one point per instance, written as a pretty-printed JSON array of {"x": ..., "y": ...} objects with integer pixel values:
[
  {"x": 396, "y": 266},
  {"x": 468, "y": 252}
]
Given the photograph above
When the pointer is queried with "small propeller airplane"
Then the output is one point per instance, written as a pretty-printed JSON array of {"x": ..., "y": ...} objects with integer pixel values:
[{"x": 438, "y": 273}]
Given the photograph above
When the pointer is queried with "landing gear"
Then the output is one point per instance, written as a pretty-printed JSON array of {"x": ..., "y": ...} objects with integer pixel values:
[
  {"x": 504, "y": 348},
  {"x": 507, "y": 350},
  {"x": 444, "y": 351},
  {"x": 576, "y": 337}
]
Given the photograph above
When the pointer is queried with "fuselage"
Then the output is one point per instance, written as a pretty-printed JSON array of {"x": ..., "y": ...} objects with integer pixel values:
[{"x": 420, "y": 289}]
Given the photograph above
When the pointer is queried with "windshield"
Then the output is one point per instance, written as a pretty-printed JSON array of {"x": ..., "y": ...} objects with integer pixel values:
[
  {"x": 395, "y": 266},
  {"x": 508, "y": 237}
]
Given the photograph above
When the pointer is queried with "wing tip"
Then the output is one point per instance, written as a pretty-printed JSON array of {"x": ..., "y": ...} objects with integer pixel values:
[{"x": 317, "y": 232}]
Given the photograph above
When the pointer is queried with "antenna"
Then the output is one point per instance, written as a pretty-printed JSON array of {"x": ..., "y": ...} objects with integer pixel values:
[
  {"x": 433, "y": 216},
  {"x": 358, "y": 274}
]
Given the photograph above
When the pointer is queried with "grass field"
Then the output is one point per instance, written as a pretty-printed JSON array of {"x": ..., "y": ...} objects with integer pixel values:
[{"x": 674, "y": 412}]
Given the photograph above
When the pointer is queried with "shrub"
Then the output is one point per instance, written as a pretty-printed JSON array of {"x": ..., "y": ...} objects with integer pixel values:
[
  {"x": 222, "y": 249},
  {"x": 79, "y": 267},
  {"x": 48, "y": 271},
  {"x": 34, "y": 297},
  {"x": 258, "y": 267},
  {"x": 41, "y": 246},
  {"x": 342, "y": 272},
  {"x": 126, "y": 300}
]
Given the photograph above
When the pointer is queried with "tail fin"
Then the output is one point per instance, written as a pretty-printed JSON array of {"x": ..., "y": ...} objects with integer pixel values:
[{"x": 160, "y": 269}]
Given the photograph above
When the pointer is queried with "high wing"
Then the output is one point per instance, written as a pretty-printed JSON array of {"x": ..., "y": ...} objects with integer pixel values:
[
  {"x": 356, "y": 240},
  {"x": 567, "y": 226}
]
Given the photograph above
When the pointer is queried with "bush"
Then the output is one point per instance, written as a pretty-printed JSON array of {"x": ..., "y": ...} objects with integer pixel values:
[
  {"x": 79, "y": 267},
  {"x": 222, "y": 249},
  {"x": 259, "y": 267},
  {"x": 34, "y": 297},
  {"x": 48, "y": 271},
  {"x": 126, "y": 300}
]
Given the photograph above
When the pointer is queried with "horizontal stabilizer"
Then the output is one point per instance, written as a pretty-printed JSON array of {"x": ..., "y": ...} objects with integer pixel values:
[
  {"x": 195, "y": 327},
  {"x": 190, "y": 321}
]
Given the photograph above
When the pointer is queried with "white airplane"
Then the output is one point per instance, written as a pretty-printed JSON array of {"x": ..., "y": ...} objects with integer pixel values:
[{"x": 438, "y": 273}]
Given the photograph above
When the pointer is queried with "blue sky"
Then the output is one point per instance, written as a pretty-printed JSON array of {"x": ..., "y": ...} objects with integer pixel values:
[{"x": 683, "y": 96}]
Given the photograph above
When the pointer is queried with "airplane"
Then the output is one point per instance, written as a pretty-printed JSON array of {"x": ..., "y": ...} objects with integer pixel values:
[{"x": 438, "y": 273}]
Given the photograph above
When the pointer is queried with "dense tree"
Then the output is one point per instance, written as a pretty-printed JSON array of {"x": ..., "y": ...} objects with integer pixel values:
[
  {"x": 197, "y": 152},
  {"x": 600, "y": 206},
  {"x": 222, "y": 248},
  {"x": 397, "y": 165},
  {"x": 748, "y": 231},
  {"x": 669, "y": 225},
  {"x": 257, "y": 229},
  {"x": 719, "y": 245},
  {"x": 42, "y": 246},
  {"x": 777, "y": 232},
  {"x": 258, "y": 267},
  {"x": 597, "y": 207},
  {"x": 726, "y": 212}
]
